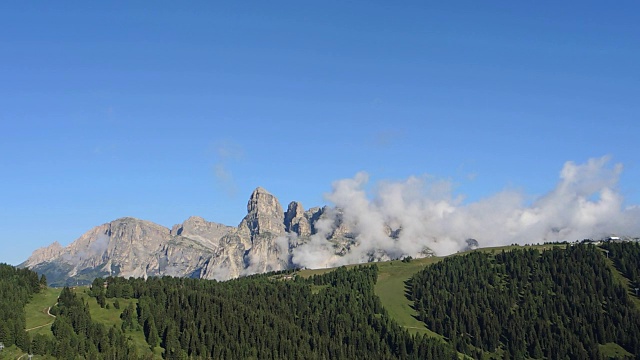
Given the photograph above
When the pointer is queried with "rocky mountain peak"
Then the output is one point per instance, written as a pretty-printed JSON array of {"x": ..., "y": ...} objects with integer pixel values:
[
  {"x": 136, "y": 231},
  {"x": 294, "y": 210},
  {"x": 264, "y": 213},
  {"x": 296, "y": 220},
  {"x": 262, "y": 202},
  {"x": 43, "y": 254},
  {"x": 193, "y": 222},
  {"x": 263, "y": 241},
  {"x": 201, "y": 230}
]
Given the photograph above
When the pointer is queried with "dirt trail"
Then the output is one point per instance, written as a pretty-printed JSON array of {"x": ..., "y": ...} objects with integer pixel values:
[{"x": 40, "y": 326}]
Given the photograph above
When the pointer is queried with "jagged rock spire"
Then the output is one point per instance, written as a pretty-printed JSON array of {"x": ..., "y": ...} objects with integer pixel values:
[{"x": 264, "y": 213}]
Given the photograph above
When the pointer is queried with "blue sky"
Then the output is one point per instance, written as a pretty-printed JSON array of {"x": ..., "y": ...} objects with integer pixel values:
[{"x": 166, "y": 110}]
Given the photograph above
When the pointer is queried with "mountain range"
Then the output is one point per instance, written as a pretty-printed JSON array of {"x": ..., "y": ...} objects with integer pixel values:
[{"x": 265, "y": 240}]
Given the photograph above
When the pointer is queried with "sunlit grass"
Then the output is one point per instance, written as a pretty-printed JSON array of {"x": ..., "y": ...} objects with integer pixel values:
[
  {"x": 613, "y": 350},
  {"x": 36, "y": 311},
  {"x": 111, "y": 317}
]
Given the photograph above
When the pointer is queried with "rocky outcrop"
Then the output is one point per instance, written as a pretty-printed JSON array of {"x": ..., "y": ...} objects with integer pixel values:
[
  {"x": 44, "y": 254},
  {"x": 260, "y": 230},
  {"x": 121, "y": 247},
  {"x": 297, "y": 221},
  {"x": 264, "y": 214},
  {"x": 201, "y": 230}
]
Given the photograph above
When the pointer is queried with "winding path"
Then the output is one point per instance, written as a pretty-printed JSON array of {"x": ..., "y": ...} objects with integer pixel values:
[{"x": 49, "y": 323}]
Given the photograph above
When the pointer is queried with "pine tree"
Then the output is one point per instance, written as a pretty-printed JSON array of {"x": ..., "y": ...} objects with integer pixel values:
[
  {"x": 151, "y": 332},
  {"x": 43, "y": 280}
]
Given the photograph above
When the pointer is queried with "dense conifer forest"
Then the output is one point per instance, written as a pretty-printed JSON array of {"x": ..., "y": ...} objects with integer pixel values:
[
  {"x": 626, "y": 256},
  {"x": 562, "y": 303},
  {"x": 16, "y": 288},
  {"x": 272, "y": 316},
  {"x": 556, "y": 304}
]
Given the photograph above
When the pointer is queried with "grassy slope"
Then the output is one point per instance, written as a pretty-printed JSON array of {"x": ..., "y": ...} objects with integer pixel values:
[
  {"x": 613, "y": 350},
  {"x": 36, "y": 316},
  {"x": 11, "y": 352},
  {"x": 391, "y": 286},
  {"x": 622, "y": 280},
  {"x": 391, "y": 290},
  {"x": 36, "y": 311}
]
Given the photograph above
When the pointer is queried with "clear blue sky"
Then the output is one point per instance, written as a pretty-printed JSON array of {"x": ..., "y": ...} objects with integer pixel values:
[{"x": 162, "y": 110}]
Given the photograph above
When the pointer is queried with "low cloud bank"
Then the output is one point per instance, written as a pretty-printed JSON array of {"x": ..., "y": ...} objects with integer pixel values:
[{"x": 584, "y": 204}]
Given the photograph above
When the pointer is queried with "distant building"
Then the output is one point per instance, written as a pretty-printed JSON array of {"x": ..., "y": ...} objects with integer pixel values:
[{"x": 592, "y": 242}]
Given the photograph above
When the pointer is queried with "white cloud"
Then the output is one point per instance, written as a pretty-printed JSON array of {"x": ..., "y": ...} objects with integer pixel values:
[{"x": 584, "y": 204}]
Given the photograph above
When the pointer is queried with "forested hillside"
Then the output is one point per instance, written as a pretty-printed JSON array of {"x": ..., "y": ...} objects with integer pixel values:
[
  {"x": 76, "y": 334},
  {"x": 17, "y": 286},
  {"x": 626, "y": 257},
  {"x": 331, "y": 316},
  {"x": 516, "y": 303},
  {"x": 556, "y": 304}
]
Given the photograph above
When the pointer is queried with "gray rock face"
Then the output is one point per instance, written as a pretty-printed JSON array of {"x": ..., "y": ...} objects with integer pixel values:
[
  {"x": 124, "y": 247},
  {"x": 44, "y": 254},
  {"x": 297, "y": 221},
  {"x": 263, "y": 241},
  {"x": 264, "y": 214},
  {"x": 259, "y": 232},
  {"x": 120, "y": 247},
  {"x": 205, "y": 232}
]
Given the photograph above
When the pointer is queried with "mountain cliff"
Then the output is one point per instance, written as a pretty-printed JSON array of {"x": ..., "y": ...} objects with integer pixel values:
[{"x": 265, "y": 240}]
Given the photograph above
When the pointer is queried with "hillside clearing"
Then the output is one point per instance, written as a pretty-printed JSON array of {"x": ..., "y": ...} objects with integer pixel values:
[{"x": 38, "y": 320}]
